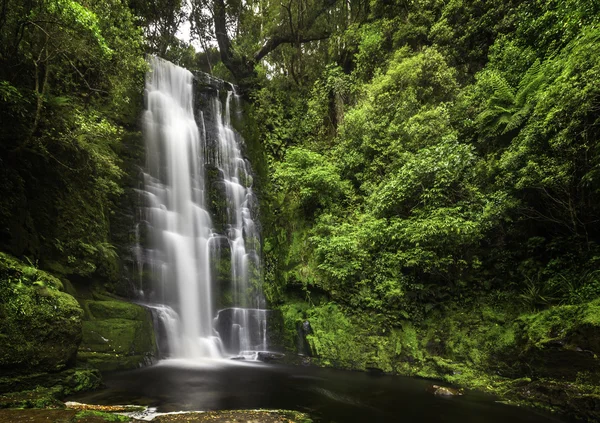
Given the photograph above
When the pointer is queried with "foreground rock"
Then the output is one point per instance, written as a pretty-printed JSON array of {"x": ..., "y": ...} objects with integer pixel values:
[
  {"x": 444, "y": 391},
  {"x": 46, "y": 389},
  {"x": 254, "y": 416},
  {"x": 88, "y": 416}
]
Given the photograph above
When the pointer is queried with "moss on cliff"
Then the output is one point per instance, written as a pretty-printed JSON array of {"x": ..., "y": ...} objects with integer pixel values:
[
  {"x": 40, "y": 326},
  {"x": 117, "y": 335},
  {"x": 547, "y": 359}
]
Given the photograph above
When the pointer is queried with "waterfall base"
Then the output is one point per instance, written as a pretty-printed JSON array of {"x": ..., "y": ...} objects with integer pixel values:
[{"x": 240, "y": 333}]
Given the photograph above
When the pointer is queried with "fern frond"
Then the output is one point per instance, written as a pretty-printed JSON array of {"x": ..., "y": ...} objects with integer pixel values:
[
  {"x": 518, "y": 118},
  {"x": 534, "y": 79},
  {"x": 503, "y": 92}
]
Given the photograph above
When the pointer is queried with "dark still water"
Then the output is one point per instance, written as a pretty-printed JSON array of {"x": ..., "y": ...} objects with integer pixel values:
[{"x": 327, "y": 395}]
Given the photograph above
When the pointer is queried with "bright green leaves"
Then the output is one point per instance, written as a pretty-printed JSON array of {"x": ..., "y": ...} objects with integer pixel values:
[
  {"x": 387, "y": 116},
  {"x": 560, "y": 96},
  {"x": 329, "y": 98},
  {"x": 411, "y": 80},
  {"x": 343, "y": 246},
  {"x": 312, "y": 179},
  {"x": 550, "y": 25},
  {"x": 99, "y": 138},
  {"x": 72, "y": 14},
  {"x": 507, "y": 110},
  {"x": 431, "y": 178}
]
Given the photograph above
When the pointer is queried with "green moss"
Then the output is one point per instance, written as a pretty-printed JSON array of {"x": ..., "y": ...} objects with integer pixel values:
[
  {"x": 296, "y": 416},
  {"x": 113, "y": 335},
  {"x": 107, "y": 417},
  {"x": 549, "y": 325},
  {"x": 40, "y": 326},
  {"x": 115, "y": 310},
  {"x": 82, "y": 380},
  {"x": 71, "y": 381},
  {"x": 117, "y": 336},
  {"x": 35, "y": 398},
  {"x": 564, "y": 324},
  {"x": 525, "y": 359}
]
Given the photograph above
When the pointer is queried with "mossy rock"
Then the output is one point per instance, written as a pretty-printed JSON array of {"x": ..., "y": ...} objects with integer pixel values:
[
  {"x": 35, "y": 398},
  {"x": 107, "y": 362},
  {"x": 580, "y": 401},
  {"x": 46, "y": 390},
  {"x": 71, "y": 381},
  {"x": 99, "y": 416},
  {"x": 40, "y": 326},
  {"x": 562, "y": 342},
  {"x": 117, "y": 335},
  {"x": 116, "y": 310}
]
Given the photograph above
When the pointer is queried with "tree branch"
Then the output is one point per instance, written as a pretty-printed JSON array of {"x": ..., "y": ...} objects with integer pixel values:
[
  {"x": 288, "y": 32},
  {"x": 274, "y": 42}
]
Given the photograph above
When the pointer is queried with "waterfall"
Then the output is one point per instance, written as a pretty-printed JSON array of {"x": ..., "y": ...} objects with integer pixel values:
[{"x": 183, "y": 244}]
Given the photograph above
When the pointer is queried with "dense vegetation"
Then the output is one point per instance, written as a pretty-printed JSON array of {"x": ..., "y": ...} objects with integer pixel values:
[
  {"x": 454, "y": 156},
  {"x": 428, "y": 170},
  {"x": 71, "y": 74},
  {"x": 431, "y": 204}
]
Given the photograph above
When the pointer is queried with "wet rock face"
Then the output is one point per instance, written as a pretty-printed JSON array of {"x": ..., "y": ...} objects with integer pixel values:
[
  {"x": 268, "y": 357},
  {"x": 230, "y": 321},
  {"x": 303, "y": 329}
]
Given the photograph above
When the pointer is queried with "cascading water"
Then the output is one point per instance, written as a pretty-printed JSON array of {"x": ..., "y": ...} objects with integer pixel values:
[{"x": 182, "y": 246}]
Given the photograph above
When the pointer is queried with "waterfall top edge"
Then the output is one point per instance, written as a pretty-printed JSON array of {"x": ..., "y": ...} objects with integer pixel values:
[
  {"x": 216, "y": 82},
  {"x": 200, "y": 76}
]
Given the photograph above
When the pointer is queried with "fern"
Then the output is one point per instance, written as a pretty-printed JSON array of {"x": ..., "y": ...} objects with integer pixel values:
[
  {"x": 499, "y": 106},
  {"x": 506, "y": 110},
  {"x": 532, "y": 81}
]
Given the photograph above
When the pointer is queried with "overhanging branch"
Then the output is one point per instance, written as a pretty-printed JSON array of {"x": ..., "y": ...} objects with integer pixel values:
[{"x": 274, "y": 42}]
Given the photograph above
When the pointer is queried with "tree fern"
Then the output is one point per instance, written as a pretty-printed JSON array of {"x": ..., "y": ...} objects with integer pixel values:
[
  {"x": 500, "y": 105},
  {"x": 506, "y": 110},
  {"x": 532, "y": 81}
]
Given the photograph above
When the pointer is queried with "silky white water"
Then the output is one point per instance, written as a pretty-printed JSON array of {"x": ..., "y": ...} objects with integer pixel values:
[{"x": 178, "y": 252}]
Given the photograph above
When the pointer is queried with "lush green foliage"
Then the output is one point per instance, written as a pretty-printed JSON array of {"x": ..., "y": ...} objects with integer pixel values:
[
  {"x": 435, "y": 166},
  {"x": 71, "y": 74},
  {"x": 433, "y": 197}
]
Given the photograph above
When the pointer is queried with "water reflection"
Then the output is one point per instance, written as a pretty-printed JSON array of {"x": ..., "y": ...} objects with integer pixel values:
[{"x": 328, "y": 395}]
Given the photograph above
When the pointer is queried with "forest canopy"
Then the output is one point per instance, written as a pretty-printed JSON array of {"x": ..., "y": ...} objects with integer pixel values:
[{"x": 411, "y": 151}]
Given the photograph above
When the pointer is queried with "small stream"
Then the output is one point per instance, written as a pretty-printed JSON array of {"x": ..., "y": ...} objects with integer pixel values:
[{"x": 327, "y": 395}]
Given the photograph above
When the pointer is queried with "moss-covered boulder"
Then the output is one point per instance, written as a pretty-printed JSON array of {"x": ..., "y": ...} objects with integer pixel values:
[
  {"x": 117, "y": 335},
  {"x": 562, "y": 342},
  {"x": 67, "y": 382},
  {"x": 46, "y": 389},
  {"x": 40, "y": 326}
]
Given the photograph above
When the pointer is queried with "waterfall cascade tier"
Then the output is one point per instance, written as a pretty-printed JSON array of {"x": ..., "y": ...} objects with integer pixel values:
[{"x": 199, "y": 243}]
